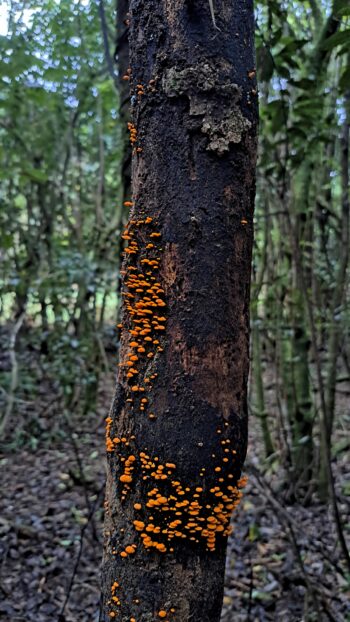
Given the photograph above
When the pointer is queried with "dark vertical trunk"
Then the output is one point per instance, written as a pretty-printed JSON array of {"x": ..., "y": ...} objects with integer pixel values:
[
  {"x": 177, "y": 433},
  {"x": 260, "y": 407},
  {"x": 122, "y": 58}
]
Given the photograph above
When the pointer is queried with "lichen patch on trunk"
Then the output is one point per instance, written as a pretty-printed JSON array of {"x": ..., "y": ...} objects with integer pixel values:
[{"x": 214, "y": 102}]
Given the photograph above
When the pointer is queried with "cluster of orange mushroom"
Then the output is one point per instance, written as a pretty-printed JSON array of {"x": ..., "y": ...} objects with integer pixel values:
[
  {"x": 115, "y": 600},
  {"x": 173, "y": 512},
  {"x": 143, "y": 304},
  {"x": 144, "y": 314},
  {"x": 133, "y": 133},
  {"x": 126, "y": 77},
  {"x": 140, "y": 90},
  {"x": 109, "y": 442}
]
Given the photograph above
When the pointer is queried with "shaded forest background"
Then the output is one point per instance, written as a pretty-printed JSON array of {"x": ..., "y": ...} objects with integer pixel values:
[{"x": 61, "y": 214}]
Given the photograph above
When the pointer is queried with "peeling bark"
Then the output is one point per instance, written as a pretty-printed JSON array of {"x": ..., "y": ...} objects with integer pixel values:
[{"x": 177, "y": 432}]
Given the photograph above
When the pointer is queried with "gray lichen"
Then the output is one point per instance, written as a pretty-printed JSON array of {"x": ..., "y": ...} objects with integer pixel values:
[
  {"x": 214, "y": 102},
  {"x": 189, "y": 80},
  {"x": 225, "y": 131}
]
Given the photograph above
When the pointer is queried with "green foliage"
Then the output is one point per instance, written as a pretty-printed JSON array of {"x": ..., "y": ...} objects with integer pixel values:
[
  {"x": 302, "y": 61},
  {"x": 60, "y": 188}
]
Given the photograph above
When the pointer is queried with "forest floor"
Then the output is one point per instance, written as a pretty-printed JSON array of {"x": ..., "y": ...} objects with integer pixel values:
[{"x": 283, "y": 563}]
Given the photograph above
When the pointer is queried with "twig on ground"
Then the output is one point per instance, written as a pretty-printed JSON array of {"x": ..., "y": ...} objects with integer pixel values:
[{"x": 61, "y": 617}]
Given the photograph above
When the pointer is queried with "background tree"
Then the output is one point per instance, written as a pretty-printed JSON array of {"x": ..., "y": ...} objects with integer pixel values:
[
  {"x": 177, "y": 433},
  {"x": 298, "y": 195},
  {"x": 59, "y": 221}
]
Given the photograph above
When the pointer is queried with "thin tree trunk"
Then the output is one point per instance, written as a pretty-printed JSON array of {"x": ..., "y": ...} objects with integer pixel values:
[
  {"x": 341, "y": 276},
  {"x": 260, "y": 406},
  {"x": 335, "y": 331},
  {"x": 177, "y": 433}
]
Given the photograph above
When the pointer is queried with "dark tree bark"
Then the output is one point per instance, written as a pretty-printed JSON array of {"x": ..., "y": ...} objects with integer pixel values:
[
  {"x": 177, "y": 433},
  {"x": 122, "y": 58}
]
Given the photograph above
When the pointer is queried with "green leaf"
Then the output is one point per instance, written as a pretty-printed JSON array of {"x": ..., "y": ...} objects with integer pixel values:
[
  {"x": 20, "y": 201},
  {"x": 342, "y": 7},
  {"x": 260, "y": 595},
  {"x": 35, "y": 174},
  {"x": 337, "y": 39},
  {"x": 254, "y": 532},
  {"x": 292, "y": 45},
  {"x": 7, "y": 241}
]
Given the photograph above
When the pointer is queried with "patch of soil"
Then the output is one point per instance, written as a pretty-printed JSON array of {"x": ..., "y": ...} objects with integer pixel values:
[{"x": 50, "y": 510}]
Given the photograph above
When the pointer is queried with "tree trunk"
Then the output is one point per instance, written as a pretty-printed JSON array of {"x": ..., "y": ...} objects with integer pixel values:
[
  {"x": 122, "y": 56},
  {"x": 177, "y": 432},
  {"x": 260, "y": 406}
]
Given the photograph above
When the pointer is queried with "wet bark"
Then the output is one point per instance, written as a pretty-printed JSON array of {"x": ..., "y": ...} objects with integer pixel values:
[{"x": 177, "y": 432}]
